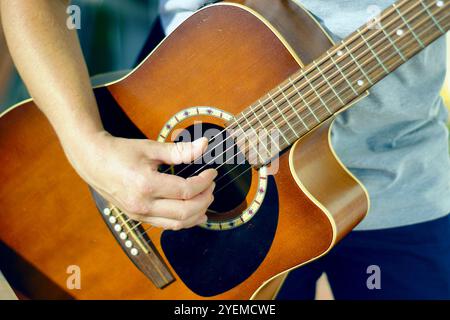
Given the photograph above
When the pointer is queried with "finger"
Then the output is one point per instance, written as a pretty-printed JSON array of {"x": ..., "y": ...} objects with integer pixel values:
[
  {"x": 182, "y": 210},
  {"x": 177, "y": 153},
  {"x": 174, "y": 187}
]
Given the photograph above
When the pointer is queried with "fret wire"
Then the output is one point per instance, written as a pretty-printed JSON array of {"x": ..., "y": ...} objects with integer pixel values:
[
  {"x": 387, "y": 54},
  {"x": 279, "y": 112},
  {"x": 295, "y": 110},
  {"x": 398, "y": 61},
  {"x": 389, "y": 12},
  {"x": 328, "y": 82},
  {"x": 402, "y": 39},
  {"x": 268, "y": 133},
  {"x": 355, "y": 58},
  {"x": 396, "y": 64},
  {"x": 393, "y": 43},
  {"x": 408, "y": 26},
  {"x": 432, "y": 38},
  {"x": 263, "y": 127},
  {"x": 250, "y": 142},
  {"x": 412, "y": 52},
  {"x": 375, "y": 60},
  {"x": 328, "y": 96},
  {"x": 408, "y": 43},
  {"x": 424, "y": 22},
  {"x": 356, "y": 62},
  {"x": 305, "y": 99},
  {"x": 264, "y": 114},
  {"x": 282, "y": 115},
  {"x": 350, "y": 62},
  {"x": 315, "y": 91},
  {"x": 373, "y": 52},
  {"x": 432, "y": 17},
  {"x": 273, "y": 122},
  {"x": 257, "y": 111},
  {"x": 343, "y": 75},
  {"x": 297, "y": 91},
  {"x": 388, "y": 15},
  {"x": 329, "y": 79},
  {"x": 381, "y": 74}
]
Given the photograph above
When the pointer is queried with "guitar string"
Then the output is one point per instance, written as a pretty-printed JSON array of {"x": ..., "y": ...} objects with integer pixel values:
[
  {"x": 294, "y": 135},
  {"x": 321, "y": 60},
  {"x": 346, "y": 89},
  {"x": 396, "y": 64},
  {"x": 312, "y": 68},
  {"x": 413, "y": 20},
  {"x": 276, "y": 106},
  {"x": 302, "y": 76},
  {"x": 328, "y": 89},
  {"x": 223, "y": 187}
]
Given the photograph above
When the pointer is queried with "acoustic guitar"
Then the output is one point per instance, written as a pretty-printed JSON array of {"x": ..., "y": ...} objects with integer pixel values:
[{"x": 232, "y": 68}]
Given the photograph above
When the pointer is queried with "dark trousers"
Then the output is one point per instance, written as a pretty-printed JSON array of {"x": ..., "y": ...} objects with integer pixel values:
[{"x": 410, "y": 262}]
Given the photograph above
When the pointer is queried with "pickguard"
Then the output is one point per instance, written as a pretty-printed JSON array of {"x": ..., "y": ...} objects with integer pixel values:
[{"x": 212, "y": 262}]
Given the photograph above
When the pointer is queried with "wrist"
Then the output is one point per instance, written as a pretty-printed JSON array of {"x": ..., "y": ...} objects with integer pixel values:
[{"x": 84, "y": 147}]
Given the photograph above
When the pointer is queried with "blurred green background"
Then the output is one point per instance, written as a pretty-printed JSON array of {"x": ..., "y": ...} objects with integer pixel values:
[{"x": 112, "y": 34}]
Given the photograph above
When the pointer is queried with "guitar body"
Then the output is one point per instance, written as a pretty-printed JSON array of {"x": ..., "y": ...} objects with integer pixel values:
[{"x": 224, "y": 57}]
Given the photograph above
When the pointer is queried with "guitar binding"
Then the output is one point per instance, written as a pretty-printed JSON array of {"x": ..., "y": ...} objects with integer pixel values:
[{"x": 135, "y": 242}]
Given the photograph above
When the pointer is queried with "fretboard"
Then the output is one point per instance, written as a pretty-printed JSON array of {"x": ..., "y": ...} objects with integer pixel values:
[{"x": 341, "y": 75}]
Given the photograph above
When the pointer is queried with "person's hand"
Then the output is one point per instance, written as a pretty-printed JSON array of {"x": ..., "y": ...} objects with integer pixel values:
[{"x": 124, "y": 172}]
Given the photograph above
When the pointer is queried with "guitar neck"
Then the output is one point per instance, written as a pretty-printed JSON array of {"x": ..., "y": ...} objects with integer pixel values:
[{"x": 345, "y": 72}]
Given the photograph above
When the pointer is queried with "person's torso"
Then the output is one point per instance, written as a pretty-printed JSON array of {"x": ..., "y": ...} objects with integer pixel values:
[{"x": 395, "y": 141}]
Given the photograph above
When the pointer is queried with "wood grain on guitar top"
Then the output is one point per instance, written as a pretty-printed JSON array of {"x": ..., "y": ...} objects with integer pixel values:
[{"x": 224, "y": 57}]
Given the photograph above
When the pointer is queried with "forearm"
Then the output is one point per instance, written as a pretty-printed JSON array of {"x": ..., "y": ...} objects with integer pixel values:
[
  {"x": 124, "y": 171},
  {"x": 49, "y": 59}
]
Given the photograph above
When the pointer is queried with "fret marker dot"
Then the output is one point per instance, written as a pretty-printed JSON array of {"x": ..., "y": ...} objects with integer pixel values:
[
  {"x": 360, "y": 83},
  {"x": 339, "y": 53},
  {"x": 440, "y": 4},
  {"x": 399, "y": 32}
]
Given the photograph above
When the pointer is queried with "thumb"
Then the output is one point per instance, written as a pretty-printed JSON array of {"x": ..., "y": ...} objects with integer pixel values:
[{"x": 181, "y": 152}]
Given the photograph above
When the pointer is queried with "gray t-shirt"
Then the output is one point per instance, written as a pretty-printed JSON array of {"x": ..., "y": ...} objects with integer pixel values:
[{"x": 395, "y": 141}]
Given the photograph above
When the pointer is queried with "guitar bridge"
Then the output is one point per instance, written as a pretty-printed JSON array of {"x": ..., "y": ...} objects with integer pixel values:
[{"x": 135, "y": 242}]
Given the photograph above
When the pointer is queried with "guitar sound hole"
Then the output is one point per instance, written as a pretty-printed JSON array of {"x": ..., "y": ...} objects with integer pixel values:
[{"x": 234, "y": 172}]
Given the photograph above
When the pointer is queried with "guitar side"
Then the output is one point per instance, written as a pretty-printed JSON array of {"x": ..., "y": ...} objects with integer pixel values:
[{"x": 53, "y": 226}]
